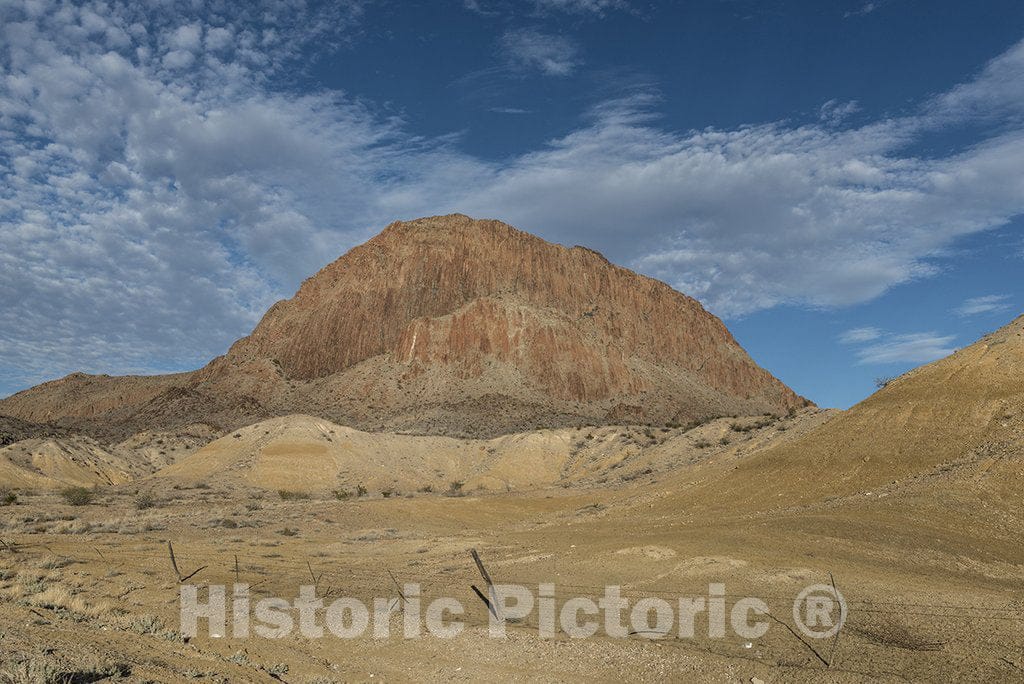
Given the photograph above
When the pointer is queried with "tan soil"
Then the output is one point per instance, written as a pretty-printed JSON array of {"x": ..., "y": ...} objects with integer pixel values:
[{"x": 923, "y": 539}]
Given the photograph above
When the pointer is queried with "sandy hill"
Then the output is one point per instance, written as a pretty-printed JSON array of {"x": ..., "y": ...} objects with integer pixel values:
[
  {"x": 447, "y": 326},
  {"x": 53, "y": 461},
  {"x": 312, "y": 455},
  {"x": 948, "y": 434}
]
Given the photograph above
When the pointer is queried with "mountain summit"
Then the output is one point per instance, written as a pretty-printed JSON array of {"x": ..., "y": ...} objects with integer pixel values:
[{"x": 450, "y": 325}]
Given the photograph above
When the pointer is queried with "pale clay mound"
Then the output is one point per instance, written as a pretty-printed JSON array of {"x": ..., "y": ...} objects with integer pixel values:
[
  {"x": 312, "y": 455},
  {"x": 56, "y": 462},
  {"x": 303, "y": 453},
  {"x": 447, "y": 326}
]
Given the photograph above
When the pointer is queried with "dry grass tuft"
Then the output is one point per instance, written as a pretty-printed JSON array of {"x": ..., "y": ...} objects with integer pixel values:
[{"x": 49, "y": 670}]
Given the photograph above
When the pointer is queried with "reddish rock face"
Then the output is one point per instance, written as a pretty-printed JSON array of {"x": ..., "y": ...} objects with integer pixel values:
[
  {"x": 459, "y": 292},
  {"x": 454, "y": 325}
]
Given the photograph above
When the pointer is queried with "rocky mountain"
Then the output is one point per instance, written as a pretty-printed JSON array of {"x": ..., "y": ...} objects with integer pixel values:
[{"x": 449, "y": 326}]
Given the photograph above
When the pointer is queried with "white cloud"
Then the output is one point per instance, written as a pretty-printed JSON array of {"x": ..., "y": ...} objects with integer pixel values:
[
  {"x": 596, "y": 8},
  {"x": 187, "y": 38},
  {"x": 860, "y": 335},
  {"x": 863, "y": 10},
  {"x": 509, "y": 110},
  {"x": 996, "y": 95},
  {"x": 911, "y": 348},
  {"x": 581, "y": 6},
  {"x": 763, "y": 215},
  {"x": 836, "y": 112},
  {"x": 877, "y": 346},
  {"x": 985, "y": 304},
  {"x": 179, "y": 59},
  {"x": 218, "y": 38},
  {"x": 529, "y": 49},
  {"x": 144, "y": 219}
]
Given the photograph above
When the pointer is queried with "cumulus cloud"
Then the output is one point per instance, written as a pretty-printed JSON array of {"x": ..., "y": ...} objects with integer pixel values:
[
  {"x": 533, "y": 50},
  {"x": 152, "y": 208},
  {"x": 910, "y": 348},
  {"x": 143, "y": 216},
  {"x": 983, "y": 305},
  {"x": 186, "y": 37}
]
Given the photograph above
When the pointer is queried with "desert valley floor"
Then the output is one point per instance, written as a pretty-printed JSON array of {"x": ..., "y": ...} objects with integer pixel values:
[{"x": 931, "y": 566}]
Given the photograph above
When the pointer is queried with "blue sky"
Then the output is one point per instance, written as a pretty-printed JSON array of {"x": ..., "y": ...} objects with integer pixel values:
[{"x": 842, "y": 182}]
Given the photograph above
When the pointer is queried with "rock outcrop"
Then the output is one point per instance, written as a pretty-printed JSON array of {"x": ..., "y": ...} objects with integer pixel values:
[{"x": 449, "y": 325}]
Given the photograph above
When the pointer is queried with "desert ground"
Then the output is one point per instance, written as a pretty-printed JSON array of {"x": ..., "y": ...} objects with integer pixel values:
[{"x": 931, "y": 567}]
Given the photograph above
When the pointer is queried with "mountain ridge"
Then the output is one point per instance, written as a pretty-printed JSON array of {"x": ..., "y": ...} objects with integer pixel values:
[{"x": 450, "y": 325}]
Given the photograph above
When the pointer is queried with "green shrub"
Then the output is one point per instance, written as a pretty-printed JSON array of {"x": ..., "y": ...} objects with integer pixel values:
[
  {"x": 360, "y": 490},
  {"x": 342, "y": 494},
  {"x": 292, "y": 496},
  {"x": 8, "y": 498},
  {"x": 78, "y": 496}
]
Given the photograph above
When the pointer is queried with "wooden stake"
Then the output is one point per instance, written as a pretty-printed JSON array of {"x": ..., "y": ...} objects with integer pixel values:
[
  {"x": 174, "y": 564},
  {"x": 835, "y": 642},
  {"x": 492, "y": 594},
  {"x": 402, "y": 598}
]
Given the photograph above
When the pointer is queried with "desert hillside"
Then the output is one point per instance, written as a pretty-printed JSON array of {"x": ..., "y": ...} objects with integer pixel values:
[
  {"x": 53, "y": 461},
  {"x": 909, "y": 502},
  {"x": 315, "y": 456},
  {"x": 963, "y": 414},
  {"x": 447, "y": 326}
]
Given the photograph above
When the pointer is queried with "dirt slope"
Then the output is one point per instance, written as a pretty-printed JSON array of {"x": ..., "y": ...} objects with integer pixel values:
[
  {"x": 959, "y": 417},
  {"x": 448, "y": 326},
  {"x": 51, "y": 462}
]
